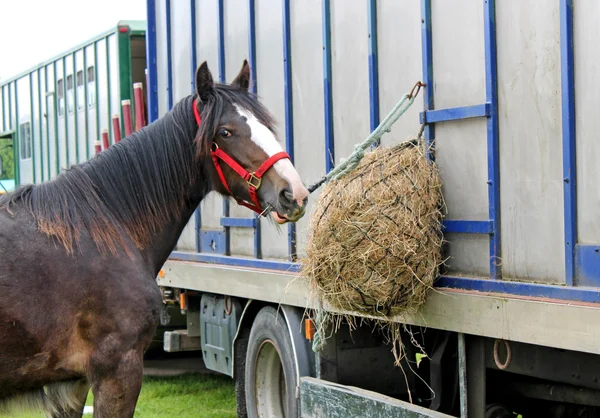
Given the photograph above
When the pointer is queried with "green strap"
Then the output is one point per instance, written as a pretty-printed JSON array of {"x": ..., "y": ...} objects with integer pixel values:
[{"x": 347, "y": 165}]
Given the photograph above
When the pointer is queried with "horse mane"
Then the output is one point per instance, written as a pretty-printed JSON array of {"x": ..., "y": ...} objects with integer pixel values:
[{"x": 135, "y": 186}]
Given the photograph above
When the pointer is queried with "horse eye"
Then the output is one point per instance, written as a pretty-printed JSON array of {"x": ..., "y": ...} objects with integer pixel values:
[{"x": 224, "y": 133}]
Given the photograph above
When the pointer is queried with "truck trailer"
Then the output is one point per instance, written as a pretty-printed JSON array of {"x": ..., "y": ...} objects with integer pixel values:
[{"x": 510, "y": 105}]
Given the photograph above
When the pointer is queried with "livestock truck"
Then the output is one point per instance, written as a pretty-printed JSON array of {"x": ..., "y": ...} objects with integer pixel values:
[{"x": 511, "y": 106}]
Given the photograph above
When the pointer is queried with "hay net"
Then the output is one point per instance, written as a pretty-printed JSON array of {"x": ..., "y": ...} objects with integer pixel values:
[{"x": 375, "y": 234}]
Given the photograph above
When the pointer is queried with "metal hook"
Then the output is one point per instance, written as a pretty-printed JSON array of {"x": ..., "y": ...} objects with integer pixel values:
[{"x": 417, "y": 86}]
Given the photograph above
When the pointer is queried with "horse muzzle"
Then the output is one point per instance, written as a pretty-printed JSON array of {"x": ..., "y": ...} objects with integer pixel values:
[{"x": 288, "y": 209}]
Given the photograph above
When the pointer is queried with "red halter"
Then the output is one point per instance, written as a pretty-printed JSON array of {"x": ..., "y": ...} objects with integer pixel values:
[{"x": 254, "y": 179}]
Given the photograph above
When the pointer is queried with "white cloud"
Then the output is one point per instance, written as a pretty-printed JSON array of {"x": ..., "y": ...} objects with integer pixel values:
[{"x": 32, "y": 31}]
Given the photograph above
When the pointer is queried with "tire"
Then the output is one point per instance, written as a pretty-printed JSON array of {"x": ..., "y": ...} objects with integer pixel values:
[{"x": 270, "y": 381}]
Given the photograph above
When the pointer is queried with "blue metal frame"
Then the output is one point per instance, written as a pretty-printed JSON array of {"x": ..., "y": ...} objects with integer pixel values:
[
  {"x": 221, "y": 44},
  {"x": 489, "y": 110},
  {"x": 585, "y": 259},
  {"x": 152, "y": 93},
  {"x": 373, "y": 66},
  {"x": 467, "y": 227},
  {"x": 568, "y": 140},
  {"x": 327, "y": 93},
  {"x": 455, "y": 113},
  {"x": 169, "y": 54},
  {"x": 427, "y": 64},
  {"x": 289, "y": 109},
  {"x": 193, "y": 66},
  {"x": 235, "y": 261},
  {"x": 239, "y": 222},
  {"x": 566, "y": 293},
  {"x": 254, "y": 89},
  {"x": 491, "y": 94}
]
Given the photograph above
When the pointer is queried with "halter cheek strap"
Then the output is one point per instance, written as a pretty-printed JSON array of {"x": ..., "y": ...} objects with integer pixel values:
[{"x": 254, "y": 180}]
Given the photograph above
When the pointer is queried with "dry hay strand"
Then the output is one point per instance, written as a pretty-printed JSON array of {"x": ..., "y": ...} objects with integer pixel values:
[{"x": 375, "y": 243}]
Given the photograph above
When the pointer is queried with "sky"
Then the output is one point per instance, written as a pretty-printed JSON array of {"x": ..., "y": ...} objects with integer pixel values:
[{"x": 32, "y": 31}]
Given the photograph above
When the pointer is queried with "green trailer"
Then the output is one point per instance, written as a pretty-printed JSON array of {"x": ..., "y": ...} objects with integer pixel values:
[{"x": 51, "y": 115}]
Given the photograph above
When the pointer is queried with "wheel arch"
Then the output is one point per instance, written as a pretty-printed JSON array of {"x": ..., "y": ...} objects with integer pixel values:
[{"x": 293, "y": 316}]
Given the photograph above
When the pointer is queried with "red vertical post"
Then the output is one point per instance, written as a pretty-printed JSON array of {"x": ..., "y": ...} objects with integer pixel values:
[
  {"x": 98, "y": 147},
  {"x": 138, "y": 96},
  {"x": 116, "y": 127},
  {"x": 105, "y": 142},
  {"x": 126, "y": 106}
]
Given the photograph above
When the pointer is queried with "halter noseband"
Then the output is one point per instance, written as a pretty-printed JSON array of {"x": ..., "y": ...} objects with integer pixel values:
[{"x": 254, "y": 180}]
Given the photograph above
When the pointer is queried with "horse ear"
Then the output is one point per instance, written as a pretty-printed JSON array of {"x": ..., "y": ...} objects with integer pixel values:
[
  {"x": 204, "y": 82},
  {"x": 242, "y": 80}
]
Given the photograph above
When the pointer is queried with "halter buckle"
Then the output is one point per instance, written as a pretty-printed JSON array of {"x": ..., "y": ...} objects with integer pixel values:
[{"x": 254, "y": 181}]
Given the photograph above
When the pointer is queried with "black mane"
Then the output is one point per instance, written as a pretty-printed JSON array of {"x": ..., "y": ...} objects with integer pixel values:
[{"x": 135, "y": 186}]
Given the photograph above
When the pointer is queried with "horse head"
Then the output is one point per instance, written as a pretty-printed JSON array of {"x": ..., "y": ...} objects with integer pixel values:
[{"x": 248, "y": 161}]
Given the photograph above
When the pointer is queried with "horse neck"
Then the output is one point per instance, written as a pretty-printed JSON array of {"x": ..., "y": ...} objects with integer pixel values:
[{"x": 164, "y": 166}]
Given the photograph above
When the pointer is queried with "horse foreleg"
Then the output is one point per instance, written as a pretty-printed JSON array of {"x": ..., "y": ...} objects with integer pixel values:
[
  {"x": 77, "y": 395},
  {"x": 116, "y": 388}
]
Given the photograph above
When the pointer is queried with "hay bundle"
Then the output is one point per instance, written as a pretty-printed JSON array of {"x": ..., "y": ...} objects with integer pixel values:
[{"x": 375, "y": 242}]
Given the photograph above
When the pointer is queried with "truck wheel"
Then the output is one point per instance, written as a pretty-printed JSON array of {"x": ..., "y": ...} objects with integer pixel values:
[{"x": 270, "y": 368}]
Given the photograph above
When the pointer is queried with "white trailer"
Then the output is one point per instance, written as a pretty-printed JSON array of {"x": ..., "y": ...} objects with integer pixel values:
[{"x": 510, "y": 103}]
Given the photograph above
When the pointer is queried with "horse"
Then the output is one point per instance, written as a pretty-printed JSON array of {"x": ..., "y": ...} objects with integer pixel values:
[{"x": 80, "y": 253}]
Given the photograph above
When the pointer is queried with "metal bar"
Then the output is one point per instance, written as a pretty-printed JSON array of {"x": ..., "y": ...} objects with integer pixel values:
[
  {"x": 18, "y": 144},
  {"x": 467, "y": 227},
  {"x": 169, "y": 52},
  {"x": 75, "y": 112},
  {"x": 151, "y": 60},
  {"x": 476, "y": 377},
  {"x": 66, "y": 113},
  {"x": 529, "y": 290},
  {"x": 221, "y": 44},
  {"x": 455, "y": 113},
  {"x": 10, "y": 107},
  {"x": 289, "y": 110},
  {"x": 234, "y": 261},
  {"x": 86, "y": 117},
  {"x": 193, "y": 46},
  {"x": 97, "y": 89},
  {"x": 327, "y": 93},
  {"x": 239, "y": 222},
  {"x": 427, "y": 64},
  {"x": 108, "y": 88},
  {"x": 193, "y": 66},
  {"x": 49, "y": 176},
  {"x": 41, "y": 124},
  {"x": 254, "y": 90},
  {"x": 373, "y": 66},
  {"x": 568, "y": 137},
  {"x": 31, "y": 129},
  {"x": 56, "y": 109},
  {"x": 462, "y": 374},
  {"x": 3, "y": 110},
  {"x": 491, "y": 93}
]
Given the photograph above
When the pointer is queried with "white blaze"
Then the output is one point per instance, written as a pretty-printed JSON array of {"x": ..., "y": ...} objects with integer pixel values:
[{"x": 264, "y": 138}]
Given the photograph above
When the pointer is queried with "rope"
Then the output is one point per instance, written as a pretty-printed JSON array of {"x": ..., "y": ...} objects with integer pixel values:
[{"x": 347, "y": 165}]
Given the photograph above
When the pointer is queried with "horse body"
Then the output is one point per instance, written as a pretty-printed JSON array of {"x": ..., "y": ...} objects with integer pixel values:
[{"x": 78, "y": 299}]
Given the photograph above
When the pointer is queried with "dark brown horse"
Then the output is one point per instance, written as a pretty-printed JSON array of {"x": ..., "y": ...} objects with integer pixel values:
[{"x": 80, "y": 254}]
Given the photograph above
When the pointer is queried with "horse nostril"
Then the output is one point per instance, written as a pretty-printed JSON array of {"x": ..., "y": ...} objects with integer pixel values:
[{"x": 286, "y": 197}]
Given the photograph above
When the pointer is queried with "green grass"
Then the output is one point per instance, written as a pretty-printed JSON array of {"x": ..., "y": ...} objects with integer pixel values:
[{"x": 193, "y": 395}]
